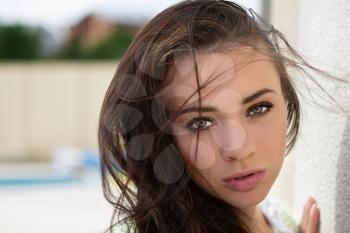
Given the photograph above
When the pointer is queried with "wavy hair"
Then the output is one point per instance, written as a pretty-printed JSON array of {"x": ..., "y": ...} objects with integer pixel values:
[{"x": 144, "y": 176}]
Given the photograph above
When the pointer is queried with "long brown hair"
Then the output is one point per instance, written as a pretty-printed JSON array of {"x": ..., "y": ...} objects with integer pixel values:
[{"x": 144, "y": 176}]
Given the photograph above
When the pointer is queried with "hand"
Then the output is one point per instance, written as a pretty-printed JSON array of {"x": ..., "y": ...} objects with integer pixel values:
[{"x": 310, "y": 219}]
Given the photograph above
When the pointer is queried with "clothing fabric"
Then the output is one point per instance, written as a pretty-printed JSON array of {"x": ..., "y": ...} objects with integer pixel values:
[{"x": 279, "y": 218}]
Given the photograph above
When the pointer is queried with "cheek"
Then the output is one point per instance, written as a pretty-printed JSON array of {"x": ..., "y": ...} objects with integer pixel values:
[
  {"x": 200, "y": 153},
  {"x": 271, "y": 135},
  {"x": 205, "y": 163}
]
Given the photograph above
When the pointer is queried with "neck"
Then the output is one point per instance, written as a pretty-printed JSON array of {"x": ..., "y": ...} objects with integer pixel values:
[
  {"x": 251, "y": 211},
  {"x": 259, "y": 221}
]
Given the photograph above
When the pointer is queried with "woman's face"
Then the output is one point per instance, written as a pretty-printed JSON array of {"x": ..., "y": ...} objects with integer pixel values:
[{"x": 237, "y": 129}]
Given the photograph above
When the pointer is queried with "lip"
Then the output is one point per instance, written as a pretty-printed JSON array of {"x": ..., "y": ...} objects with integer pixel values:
[
  {"x": 243, "y": 173},
  {"x": 244, "y": 184}
]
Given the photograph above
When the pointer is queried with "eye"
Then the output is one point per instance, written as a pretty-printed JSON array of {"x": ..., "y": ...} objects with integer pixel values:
[
  {"x": 204, "y": 123},
  {"x": 259, "y": 109},
  {"x": 200, "y": 123}
]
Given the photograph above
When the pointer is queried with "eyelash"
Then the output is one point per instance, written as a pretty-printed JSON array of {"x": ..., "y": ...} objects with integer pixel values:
[{"x": 268, "y": 106}]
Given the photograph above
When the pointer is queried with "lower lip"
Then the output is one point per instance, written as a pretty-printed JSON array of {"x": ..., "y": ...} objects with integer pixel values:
[{"x": 245, "y": 184}]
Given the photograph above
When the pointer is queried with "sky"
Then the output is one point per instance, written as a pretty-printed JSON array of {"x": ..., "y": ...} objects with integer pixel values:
[{"x": 57, "y": 14}]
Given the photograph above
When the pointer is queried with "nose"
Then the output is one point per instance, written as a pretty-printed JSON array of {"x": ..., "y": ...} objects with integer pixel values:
[{"x": 233, "y": 141}]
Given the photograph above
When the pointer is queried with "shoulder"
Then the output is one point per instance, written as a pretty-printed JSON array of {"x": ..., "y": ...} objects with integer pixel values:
[{"x": 279, "y": 218}]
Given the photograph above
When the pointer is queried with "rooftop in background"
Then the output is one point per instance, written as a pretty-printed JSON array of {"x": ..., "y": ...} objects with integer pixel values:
[{"x": 93, "y": 28}]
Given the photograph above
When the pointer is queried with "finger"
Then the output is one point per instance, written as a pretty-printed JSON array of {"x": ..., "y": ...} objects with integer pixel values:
[
  {"x": 305, "y": 215},
  {"x": 313, "y": 219}
]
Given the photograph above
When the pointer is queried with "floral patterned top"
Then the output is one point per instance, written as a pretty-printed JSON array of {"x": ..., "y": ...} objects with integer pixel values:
[{"x": 279, "y": 219}]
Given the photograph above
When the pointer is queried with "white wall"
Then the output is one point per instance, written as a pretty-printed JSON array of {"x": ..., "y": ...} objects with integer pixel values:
[
  {"x": 45, "y": 104},
  {"x": 320, "y": 164},
  {"x": 284, "y": 16},
  {"x": 285, "y": 21},
  {"x": 323, "y": 158}
]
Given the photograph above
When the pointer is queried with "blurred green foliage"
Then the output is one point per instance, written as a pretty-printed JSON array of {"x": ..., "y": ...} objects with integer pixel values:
[
  {"x": 19, "y": 42},
  {"x": 112, "y": 47}
]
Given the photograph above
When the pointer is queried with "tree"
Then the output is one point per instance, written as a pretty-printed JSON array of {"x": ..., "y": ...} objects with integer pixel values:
[
  {"x": 112, "y": 47},
  {"x": 19, "y": 42}
]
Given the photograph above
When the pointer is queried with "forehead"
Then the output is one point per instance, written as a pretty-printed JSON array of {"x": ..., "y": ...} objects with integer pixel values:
[{"x": 239, "y": 71}]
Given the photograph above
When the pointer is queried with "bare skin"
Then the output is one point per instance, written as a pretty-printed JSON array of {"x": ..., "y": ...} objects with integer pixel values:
[
  {"x": 308, "y": 224},
  {"x": 230, "y": 139},
  {"x": 310, "y": 219}
]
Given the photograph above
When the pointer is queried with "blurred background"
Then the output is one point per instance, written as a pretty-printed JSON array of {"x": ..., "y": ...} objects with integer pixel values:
[{"x": 57, "y": 58}]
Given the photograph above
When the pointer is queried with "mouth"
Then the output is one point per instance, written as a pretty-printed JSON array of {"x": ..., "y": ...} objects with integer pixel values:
[
  {"x": 243, "y": 174},
  {"x": 243, "y": 177},
  {"x": 244, "y": 183}
]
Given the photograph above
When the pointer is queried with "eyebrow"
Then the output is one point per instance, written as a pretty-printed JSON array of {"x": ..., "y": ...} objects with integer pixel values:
[{"x": 245, "y": 100}]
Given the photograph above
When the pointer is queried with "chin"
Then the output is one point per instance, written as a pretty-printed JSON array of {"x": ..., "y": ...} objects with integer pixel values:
[{"x": 246, "y": 199}]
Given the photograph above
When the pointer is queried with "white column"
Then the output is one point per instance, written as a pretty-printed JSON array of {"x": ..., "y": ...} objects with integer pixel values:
[{"x": 322, "y": 156}]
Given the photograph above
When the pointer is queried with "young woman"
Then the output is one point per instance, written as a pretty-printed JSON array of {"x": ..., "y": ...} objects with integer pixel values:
[{"x": 197, "y": 121}]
